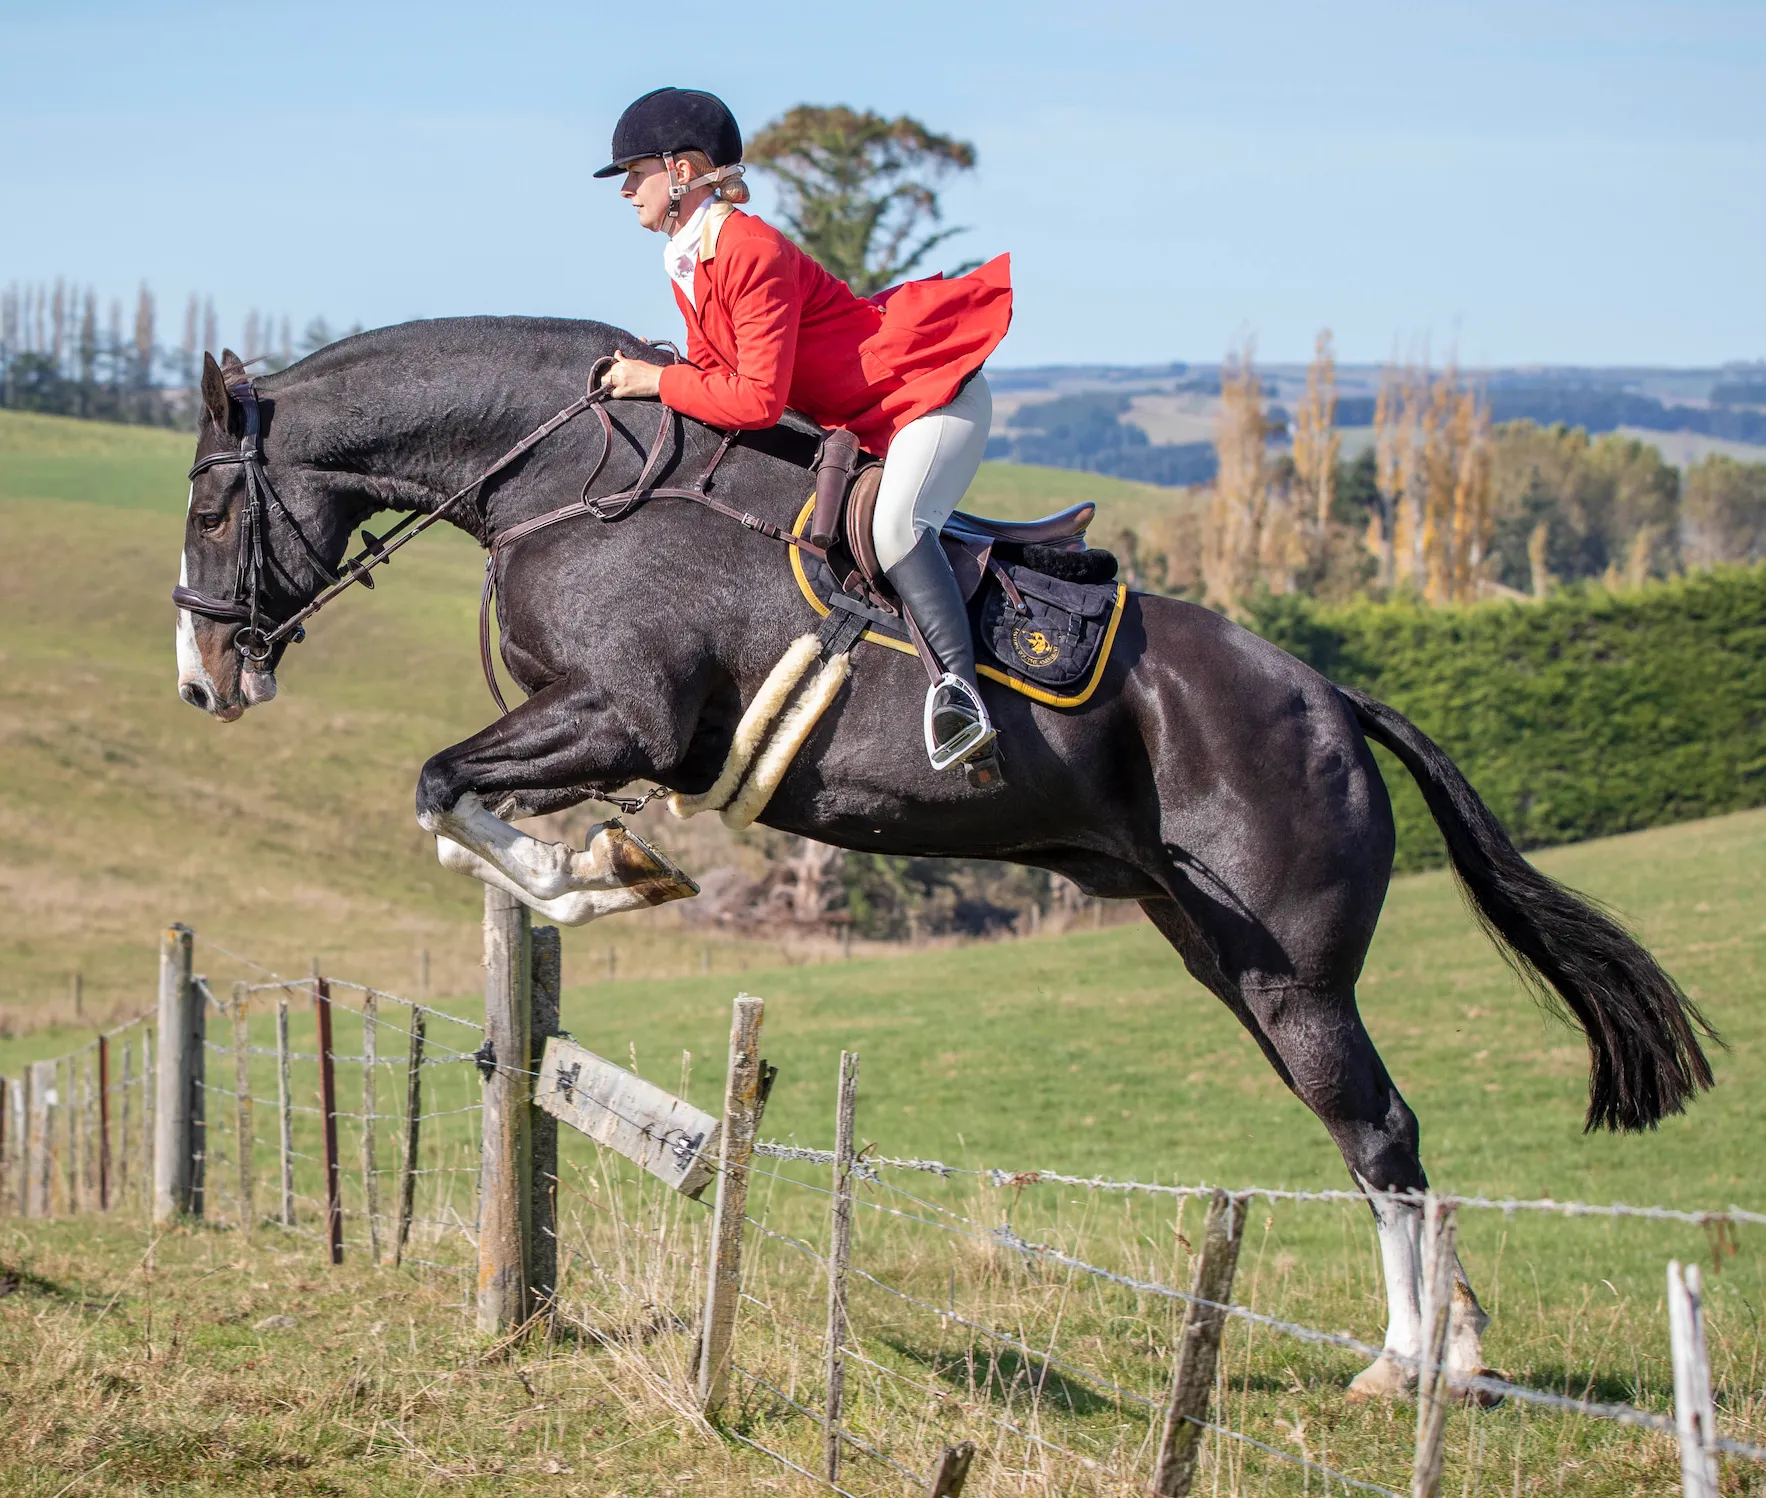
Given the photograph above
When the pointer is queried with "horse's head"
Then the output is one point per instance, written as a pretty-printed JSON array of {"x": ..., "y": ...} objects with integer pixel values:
[{"x": 251, "y": 560}]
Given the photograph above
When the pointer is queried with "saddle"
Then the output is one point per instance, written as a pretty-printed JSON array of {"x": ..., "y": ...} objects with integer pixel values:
[
  {"x": 1043, "y": 605},
  {"x": 847, "y": 482}
]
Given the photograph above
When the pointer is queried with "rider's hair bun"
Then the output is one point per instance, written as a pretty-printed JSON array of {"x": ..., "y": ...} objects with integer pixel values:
[{"x": 735, "y": 190}]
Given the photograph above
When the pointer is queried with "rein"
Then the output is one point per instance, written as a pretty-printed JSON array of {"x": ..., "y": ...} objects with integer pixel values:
[{"x": 255, "y": 643}]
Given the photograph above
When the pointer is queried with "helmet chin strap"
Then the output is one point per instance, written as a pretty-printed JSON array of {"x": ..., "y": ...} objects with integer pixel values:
[{"x": 678, "y": 189}]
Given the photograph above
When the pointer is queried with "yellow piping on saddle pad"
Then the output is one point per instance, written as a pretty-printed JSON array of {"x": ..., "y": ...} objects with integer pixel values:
[
  {"x": 992, "y": 673},
  {"x": 751, "y": 734}
]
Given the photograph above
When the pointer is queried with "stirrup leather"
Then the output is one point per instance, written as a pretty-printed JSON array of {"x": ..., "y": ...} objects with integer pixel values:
[{"x": 969, "y": 740}]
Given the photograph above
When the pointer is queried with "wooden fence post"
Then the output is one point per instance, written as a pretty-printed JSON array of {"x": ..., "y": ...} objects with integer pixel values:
[
  {"x": 505, "y": 1178},
  {"x": 180, "y": 1077},
  {"x": 547, "y": 982},
  {"x": 243, "y": 1108},
  {"x": 952, "y": 1471},
  {"x": 328, "y": 1117},
  {"x": 285, "y": 1115},
  {"x": 1694, "y": 1419},
  {"x": 6, "y": 1137},
  {"x": 839, "y": 1249},
  {"x": 149, "y": 1124},
  {"x": 370, "y": 1066},
  {"x": 39, "y": 1150},
  {"x": 413, "y": 1120},
  {"x": 103, "y": 1123},
  {"x": 735, "y": 1144},
  {"x": 1432, "y": 1395},
  {"x": 71, "y": 1114},
  {"x": 1198, "y": 1348}
]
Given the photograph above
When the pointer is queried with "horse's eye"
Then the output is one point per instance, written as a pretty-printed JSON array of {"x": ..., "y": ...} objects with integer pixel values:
[{"x": 209, "y": 521}]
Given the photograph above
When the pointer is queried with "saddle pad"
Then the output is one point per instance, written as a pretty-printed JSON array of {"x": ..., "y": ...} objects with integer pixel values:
[{"x": 1055, "y": 653}]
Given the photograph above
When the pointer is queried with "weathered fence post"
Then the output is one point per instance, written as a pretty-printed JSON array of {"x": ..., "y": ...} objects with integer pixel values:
[
  {"x": 1198, "y": 1347},
  {"x": 71, "y": 1111},
  {"x": 243, "y": 1132},
  {"x": 39, "y": 1150},
  {"x": 370, "y": 1065},
  {"x": 285, "y": 1114},
  {"x": 103, "y": 1123},
  {"x": 328, "y": 1117},
  {"x": 6, "y": 1138},
  {"x": 839, "y": 1249},
  {"x": 952, "y": 1471},
  {"x": 1694, "y": 1419},
  {"x": 413, "y": 1119},
  {"x": 547, "y": 950},
  {"x": 122, "y": 1149},
  {"x": 505, "y": 1179},
  {"x": 175, "y": 1191},
  {"x": 735, "y": 1144},
  {"x": 149, "y": 1124},
  {"x": 1432, "y": 1396}
]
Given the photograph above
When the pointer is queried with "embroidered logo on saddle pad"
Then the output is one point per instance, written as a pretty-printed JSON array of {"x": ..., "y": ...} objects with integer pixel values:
[{"x": 1033, "y": 646}]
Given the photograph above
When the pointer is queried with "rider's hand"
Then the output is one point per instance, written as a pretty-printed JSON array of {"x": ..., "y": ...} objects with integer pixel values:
[{"x": 632, "y": 379}]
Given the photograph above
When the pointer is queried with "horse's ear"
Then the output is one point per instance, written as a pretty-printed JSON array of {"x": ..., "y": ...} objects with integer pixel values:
[
  {"x": 232, "y": 368},
  {"x": 214, "y": 390}
]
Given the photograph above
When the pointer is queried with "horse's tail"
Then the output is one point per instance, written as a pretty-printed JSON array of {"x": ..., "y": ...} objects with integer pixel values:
[{"x": 1643, "y": 1031}]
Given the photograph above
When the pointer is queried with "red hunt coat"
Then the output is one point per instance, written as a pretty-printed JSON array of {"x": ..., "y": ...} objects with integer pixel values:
[{"x": 774, "y": 329}]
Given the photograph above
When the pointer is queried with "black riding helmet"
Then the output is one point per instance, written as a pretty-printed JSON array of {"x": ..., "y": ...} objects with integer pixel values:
[{"x": 667, "y": 121}]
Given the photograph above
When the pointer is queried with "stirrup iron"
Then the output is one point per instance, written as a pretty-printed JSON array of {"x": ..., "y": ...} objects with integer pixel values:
[{"x": 964, "y": 744}]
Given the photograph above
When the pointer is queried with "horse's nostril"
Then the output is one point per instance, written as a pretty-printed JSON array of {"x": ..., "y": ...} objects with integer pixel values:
[{"x": 196, "y": 695}]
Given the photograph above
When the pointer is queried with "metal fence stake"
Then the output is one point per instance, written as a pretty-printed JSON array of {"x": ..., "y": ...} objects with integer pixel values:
[
  {"x": 839, "y": 1249},
  {"x": 413, "y": 1121},
  {"x": 328, "y": 1117},
  {"x": 735, "y": 1144},
  {"x": 1198, "y": 1347}
]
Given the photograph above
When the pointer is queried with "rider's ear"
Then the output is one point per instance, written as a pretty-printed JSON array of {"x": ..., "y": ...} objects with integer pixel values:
[{"x": 214, "y": 391}]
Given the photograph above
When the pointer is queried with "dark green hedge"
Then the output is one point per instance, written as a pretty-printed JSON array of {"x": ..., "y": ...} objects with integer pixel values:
[{"x": 1589, "y": 714}]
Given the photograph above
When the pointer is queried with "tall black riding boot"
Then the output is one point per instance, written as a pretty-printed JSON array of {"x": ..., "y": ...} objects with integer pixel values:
[{"x": 957, "y": 727}]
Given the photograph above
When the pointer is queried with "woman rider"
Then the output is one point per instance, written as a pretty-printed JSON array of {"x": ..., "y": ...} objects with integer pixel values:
[{"x": 767, "y": 328}]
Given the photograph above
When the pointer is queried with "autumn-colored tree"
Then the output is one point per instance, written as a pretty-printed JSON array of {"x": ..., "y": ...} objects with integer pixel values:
[
  {"x": 1243, "y": 542},
  {"x": 1316, "y": 443},
  {"x": 1724, "y": 512},
  {"x": 856, "y": 189}
]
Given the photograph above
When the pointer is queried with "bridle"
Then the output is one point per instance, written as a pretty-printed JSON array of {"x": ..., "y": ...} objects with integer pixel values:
[
  {"x": 255, "y": 643},
  {"x": 252, "y": 572}
]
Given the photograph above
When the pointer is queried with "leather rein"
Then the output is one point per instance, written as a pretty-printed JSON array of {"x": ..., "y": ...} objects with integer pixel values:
[{"x": 255, "y": 643}]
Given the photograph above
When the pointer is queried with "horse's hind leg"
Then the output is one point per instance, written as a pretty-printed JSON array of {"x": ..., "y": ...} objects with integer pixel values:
[{"x": 1315, "y": 1039}]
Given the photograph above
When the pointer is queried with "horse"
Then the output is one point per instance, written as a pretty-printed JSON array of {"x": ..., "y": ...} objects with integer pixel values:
[{"x": 1213, "y": 778}]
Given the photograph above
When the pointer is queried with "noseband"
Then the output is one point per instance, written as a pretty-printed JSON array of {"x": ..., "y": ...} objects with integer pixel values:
[{"x": 251, "y": 575}]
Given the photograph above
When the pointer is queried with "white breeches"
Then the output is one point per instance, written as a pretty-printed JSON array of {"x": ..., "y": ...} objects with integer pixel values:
[{"x": 930, "y": 465}]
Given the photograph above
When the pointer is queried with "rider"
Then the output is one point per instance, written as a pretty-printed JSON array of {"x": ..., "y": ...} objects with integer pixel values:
[{"x": 767, "y": 328}]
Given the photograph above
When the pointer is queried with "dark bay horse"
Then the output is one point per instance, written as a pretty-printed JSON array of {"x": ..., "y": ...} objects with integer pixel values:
[{"x": 1213, "y": 778}]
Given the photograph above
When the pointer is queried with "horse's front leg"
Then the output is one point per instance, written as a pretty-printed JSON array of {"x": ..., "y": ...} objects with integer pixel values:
[{"x": 564, "y": 736}]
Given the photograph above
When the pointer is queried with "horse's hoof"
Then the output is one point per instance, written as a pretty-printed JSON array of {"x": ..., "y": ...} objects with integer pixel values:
[
  {"x": 1382, "y": 1379},
  {"x": 1482, "y": 1399},
  {"x": 654, "y": 875}
]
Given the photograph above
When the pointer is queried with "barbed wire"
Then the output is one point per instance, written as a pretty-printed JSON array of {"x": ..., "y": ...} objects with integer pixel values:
[{"x": 866, "y": 1165}]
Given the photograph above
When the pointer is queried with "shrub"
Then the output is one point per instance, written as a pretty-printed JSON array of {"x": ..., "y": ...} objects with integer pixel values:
[{"x": 1589, "y": 714}]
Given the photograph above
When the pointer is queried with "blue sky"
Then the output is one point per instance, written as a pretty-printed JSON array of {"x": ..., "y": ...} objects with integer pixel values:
[{"x": 1545, "y": 182}]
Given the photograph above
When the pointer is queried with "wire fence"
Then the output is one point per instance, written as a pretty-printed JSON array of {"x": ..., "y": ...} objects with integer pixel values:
[{"x": 1032, "y": 1312}]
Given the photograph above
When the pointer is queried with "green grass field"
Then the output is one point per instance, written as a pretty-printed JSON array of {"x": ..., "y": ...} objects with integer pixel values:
[
  {"x": 136, "y": 1364},
  {"x": 291, "y": 831}
]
